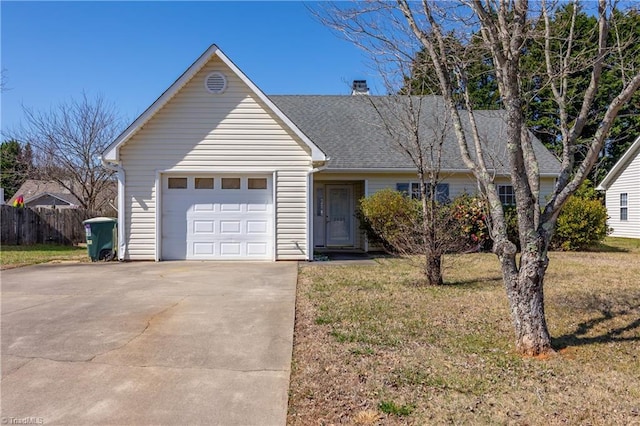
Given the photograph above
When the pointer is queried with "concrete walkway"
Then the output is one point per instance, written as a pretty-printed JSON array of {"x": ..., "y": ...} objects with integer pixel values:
[{"x": 148, "y": 343}]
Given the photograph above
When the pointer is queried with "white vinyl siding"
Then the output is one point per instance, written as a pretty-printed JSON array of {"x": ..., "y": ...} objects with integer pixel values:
[
  {"x": 627, "y": 182},
  {"x": 459, "y": 183},
  {"x": 198, "y": 131}
]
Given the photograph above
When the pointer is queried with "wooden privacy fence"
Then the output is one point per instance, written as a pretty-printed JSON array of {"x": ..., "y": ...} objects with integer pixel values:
[{"x": 26, "y": 226}]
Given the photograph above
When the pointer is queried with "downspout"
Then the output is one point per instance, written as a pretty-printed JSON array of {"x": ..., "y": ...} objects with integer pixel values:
[
  {"x": 311, "y": 209},
  {"x": 122, "y": 243}
]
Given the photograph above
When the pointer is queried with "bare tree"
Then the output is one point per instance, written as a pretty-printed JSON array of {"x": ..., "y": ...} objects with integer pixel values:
[
  {"x": 416, "y": 127},
  {"x": 503, "y": 28},
  {"x": 67, "y": 142}
]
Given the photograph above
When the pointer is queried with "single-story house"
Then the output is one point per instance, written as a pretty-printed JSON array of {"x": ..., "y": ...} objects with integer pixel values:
[
  {"x": 46, "y": 194},
  {"x": 622, "y": 196},
  {"x": 50, "y": 194},
  {"x": 216, "y": 169}
]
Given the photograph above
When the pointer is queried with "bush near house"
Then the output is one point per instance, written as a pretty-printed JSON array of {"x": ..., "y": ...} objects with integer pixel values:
[
  {"x": 581, "y": 225},
  {"x": 388, "y": 214},
  {"x": 471, "y": 211}
]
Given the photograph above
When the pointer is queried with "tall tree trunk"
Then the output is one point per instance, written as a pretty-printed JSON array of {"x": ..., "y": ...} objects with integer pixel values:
[
  {"x": 433, "y": 268},
  {"x": 526, "y": 300}
]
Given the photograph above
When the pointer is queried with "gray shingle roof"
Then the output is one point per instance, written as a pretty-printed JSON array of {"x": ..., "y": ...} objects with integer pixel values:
[{"x": 349, "y": 131}]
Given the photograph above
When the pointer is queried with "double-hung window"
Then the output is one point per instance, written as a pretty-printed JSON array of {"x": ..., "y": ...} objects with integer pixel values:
[
  {"x": 624, "y": 198},
  {"x": 412, "y": 189},
  {"x": 507, "y": 195}
]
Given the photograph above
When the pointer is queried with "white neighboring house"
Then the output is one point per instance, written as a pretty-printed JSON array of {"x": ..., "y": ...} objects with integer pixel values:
[{"x": 622, "y": 186}]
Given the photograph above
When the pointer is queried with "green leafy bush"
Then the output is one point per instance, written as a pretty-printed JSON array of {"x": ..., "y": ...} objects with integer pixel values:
[
  {"x": 470, "y": 212},
  {"x": 388, "y": 214},
  {"x": 581, "y": 224},
  {"x": 396, "y": 221}
]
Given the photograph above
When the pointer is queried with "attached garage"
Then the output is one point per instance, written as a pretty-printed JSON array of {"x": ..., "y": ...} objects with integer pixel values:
[
  {"x": 217, "y": 217},
  {"x": 213, "y": 170}
]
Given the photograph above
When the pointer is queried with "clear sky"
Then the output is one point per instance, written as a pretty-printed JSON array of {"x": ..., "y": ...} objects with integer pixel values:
[{"x": 130, "y": 52}]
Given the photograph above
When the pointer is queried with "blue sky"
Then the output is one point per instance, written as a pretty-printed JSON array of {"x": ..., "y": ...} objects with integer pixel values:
[{"x": 130, "y": 52}]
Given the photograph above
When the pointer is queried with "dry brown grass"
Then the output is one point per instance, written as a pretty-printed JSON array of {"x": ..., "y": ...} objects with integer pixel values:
[{"x": 372, "y": 348}]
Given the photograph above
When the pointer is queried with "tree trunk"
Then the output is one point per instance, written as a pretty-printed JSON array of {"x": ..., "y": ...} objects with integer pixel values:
[
  {"x": 526, "y": 300},
  {"x": 433, "y": 269}
]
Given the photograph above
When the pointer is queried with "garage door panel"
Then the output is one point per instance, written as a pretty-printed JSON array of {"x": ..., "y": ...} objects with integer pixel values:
[
  {"x": 230, "y": 249},
  {"x": 204, "y": 227},
  {"x": 217, "y": 223},
  {"x": 257, "y": 227},
  {"x": 204, "y": 207},
  {"x": 257, "y": 249},
  {"x": 230, "y": 226},
  {"x": 254, "y": 207},
  {"x": 204, "y": 249},
  {"x": 229, "y": 207}
]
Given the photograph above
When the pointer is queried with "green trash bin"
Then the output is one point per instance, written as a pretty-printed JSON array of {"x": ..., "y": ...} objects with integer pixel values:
[{"x": 102, "y": 236}]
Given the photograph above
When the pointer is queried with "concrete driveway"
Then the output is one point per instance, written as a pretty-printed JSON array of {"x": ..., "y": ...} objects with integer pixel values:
[{"x": 147, "y": 343}]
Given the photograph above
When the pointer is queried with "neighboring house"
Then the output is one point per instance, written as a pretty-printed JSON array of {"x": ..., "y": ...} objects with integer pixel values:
[
  {"x": 622, "y": 196},
  {"x": 52, "y": 195},
  {"x": 44, "y": 193},
  {"x": 215, "y": 169}
]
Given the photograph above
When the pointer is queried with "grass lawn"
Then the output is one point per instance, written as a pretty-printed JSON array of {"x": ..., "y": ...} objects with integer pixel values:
[
  {"x": 371, "y": 347},
  {"x": 16, "y": 256}
]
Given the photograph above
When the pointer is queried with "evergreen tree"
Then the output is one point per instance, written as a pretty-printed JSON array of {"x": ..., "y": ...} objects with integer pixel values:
[{"x": 16, "y": 162}]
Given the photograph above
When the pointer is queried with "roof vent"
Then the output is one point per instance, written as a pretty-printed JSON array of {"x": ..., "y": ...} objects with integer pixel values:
[
  {"x": 216, "y": 83},
  {"x": 359, "y": 87}
]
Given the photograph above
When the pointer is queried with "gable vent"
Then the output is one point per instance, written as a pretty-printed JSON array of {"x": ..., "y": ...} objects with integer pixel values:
[{"x": 215, "y": 82}]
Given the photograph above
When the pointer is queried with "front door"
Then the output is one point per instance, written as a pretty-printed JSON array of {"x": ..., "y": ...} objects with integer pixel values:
[{"x": 340, "y": 218}]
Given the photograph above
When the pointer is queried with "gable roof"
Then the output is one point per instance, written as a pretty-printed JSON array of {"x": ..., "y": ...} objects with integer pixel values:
[
  {"x": 32, "y": 189},
  {"x": 620, "y": 166},
  {"x": 111, "y": 152},
  {"x": 66, "y": 199},
  {"x": 349, "y": 130}
]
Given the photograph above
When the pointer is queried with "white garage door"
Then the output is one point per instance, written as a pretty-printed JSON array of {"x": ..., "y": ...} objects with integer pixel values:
[{"x": 217, "y": 217}]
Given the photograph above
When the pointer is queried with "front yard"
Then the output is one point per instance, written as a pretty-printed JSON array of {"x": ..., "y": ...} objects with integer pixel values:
[{"x": 370, "y": 347}]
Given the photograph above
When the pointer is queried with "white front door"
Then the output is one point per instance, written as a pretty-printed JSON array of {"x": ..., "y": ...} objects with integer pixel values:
[{"x": 340, "y": 217}]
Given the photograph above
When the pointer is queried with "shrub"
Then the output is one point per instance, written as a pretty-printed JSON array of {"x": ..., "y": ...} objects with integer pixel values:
[
  {"x": 387, "y": 215},
  {"x": 581, "y": 224},
  {"x": 395, "y": 220},
  {"x": 470, "y": 212}
]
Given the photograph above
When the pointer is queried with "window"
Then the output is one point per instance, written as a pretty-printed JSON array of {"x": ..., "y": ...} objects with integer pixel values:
[
  {"x": 413, "y": 189},
  {"x": 257, "y": 183},
  {"x": 506, "y": 194},
  {"x": 623, "y": 206},
  {"x": 177, "y": 183},
  {"x": 230, "y": 183},
  {"x": 204, "y": 183}
]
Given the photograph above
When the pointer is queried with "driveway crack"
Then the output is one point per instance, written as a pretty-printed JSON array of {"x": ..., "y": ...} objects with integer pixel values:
[
  {"x": 35, "y": 306},
  {"x": 144, "y": 330}
]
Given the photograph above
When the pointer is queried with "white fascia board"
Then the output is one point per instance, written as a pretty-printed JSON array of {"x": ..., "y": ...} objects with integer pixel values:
[
  {"x": 409, "y": 170},
  {"x": 619, "y": 166},
  {"x": 316, "y": 153}
]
